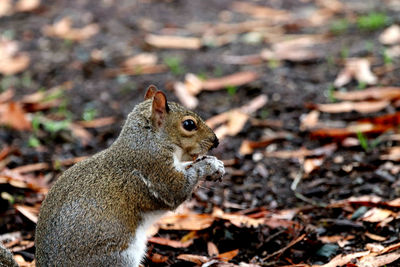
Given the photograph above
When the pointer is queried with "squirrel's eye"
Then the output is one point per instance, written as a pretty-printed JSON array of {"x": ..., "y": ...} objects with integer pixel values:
[{"x": 189, "y": 125}]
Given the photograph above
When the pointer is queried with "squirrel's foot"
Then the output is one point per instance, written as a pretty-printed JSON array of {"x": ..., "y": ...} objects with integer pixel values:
[{"x": 212, "y": 167}]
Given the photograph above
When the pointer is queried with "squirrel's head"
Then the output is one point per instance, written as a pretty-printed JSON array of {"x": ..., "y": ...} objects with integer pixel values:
[{"x": 184, "y": 128}]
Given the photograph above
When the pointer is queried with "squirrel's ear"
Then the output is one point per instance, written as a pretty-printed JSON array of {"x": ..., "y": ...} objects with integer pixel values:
[
  {"x": 160, "y": 108},
  {"x": 151, "y": 91}
]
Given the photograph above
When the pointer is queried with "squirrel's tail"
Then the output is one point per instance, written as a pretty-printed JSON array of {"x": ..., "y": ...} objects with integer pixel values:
[{"x": 6, "y": 258}]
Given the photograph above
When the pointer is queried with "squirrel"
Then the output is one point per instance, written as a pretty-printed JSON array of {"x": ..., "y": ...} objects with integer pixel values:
[
  {"x": 6, "y": 258},
  {"x": 97, "y": 212}
]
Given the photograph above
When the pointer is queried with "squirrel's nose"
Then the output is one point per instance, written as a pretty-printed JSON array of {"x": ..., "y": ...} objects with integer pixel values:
[{"x": 215, "y": 142}]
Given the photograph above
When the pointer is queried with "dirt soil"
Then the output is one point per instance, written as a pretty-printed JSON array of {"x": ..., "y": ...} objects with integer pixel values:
[{"x": 257, "y": 185}]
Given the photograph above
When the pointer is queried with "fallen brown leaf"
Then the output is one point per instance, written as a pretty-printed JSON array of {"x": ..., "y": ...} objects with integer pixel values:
[
  {"x": 342, "y": 259},
  {"x": 235, "y": 79},
  {"x": 173, "y": 42},
  {"x": 247, "y": 147},
  {"x": 375, "y": 237},
  {"x": 312, "y": 164},
  {"x": 81, "y": 133},
  {"x": 357, "y": 68},
  {"x": 393, "y": 153},
  {"x": 227, "y": 256},
  {"x": 237, "y": 219},
  {"x": 391, "y": 35},
  {"x": 230, "y": 122},
  {"x": 12, "y": 114},
  {"x": 212, "y": 249},
  {"x": 380, "y": 260},
  {"x": 27, "y": 5},
  {"x": 63, "y": 29},
  {"x": 23, "y": 181},
  {"x": 347, "y": 106},
  {"x": 386, "y": 93},
  {"x": 97, "y": 123},
  {"x": 186, "y": 222},
  {"x": 303, "y": 48},
  {"x": 7, "y": 95},
  {"x": 11, "y": 60},
  {"x": 29, "y": 212},
  {"x": 273, "y": 15},
  {"x": 303, "y": 152},
  {"x": 158, "y": 258},
  {"x": 377, "y": 215},
  {"x": 309, "y": 121},
  {"x": 199, "y": 260},
  {"x": 169, "y": 242}
]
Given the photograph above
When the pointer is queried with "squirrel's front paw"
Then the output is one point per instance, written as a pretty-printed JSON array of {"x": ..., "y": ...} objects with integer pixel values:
[{"x": 213, "y": 169}]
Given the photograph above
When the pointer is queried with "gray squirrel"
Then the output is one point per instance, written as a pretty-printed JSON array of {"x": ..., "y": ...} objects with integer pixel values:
[{"x": 97, "y": 212}]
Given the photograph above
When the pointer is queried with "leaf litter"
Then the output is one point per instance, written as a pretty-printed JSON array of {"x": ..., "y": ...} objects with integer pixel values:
[{"x": 300, "y": 175}]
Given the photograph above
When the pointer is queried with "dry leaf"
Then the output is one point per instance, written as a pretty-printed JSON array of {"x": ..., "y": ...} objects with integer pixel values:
[
  {"x": 298, "y": 49},
  {"x": 377, "y": 215},
  {"x": 185, "y": 96},
  {"x": 81, "y": 133},
  {"x": 13, "y": 115},
  {"x": 186, "y": 222},
  {"x": 173, "y": 42},
  {"x": 97, "y": 123},
  {"x": 169, "y": 242},
  {"x": 342, "y": 259},
  {"x": 375, "y": 237},
  {"x": 142, "y": 59},
  {"x": 212, "y": 249},
  {"x": 379, "y": 260},
  {"x": 63, "y": 29},
  {"x": 312, "y": 164},
  {"x": 273, "y": 15},
  {"x": 302, "y": 152},
  {"x": 31, "y": 167},
  {"x": 247, "y": 147},
  {"x": 29, "y": 212},
  {"x": 335, "y": 238},
  {"x": 6, "y": 8},
  {"x": 391, "y": 35},
  {"x": 27, "y": 5},
  {"x": 357, "y": 68},
  {"x": 227, "y": 256},
  {"x": 393, "y": 154},
  {"x": 199, "y": 260},
  {"x": 236, "y": 79},
  {"x": 228, "y": 119},
  {"x": 386, "y": 93},
  {"x": 12, "y": 61},
  {"x": 7, "y": 95},
  {"x": 347, "y": 106},
  {"x": 237, "y": 219},
  {"x": 158, "y": 258}
]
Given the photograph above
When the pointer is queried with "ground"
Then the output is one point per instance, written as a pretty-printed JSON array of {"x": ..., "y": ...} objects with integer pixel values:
[{"x": 300, "y": 183}]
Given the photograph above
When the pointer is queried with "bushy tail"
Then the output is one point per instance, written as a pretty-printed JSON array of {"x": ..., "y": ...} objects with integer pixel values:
[{"x": 6, "y": 258}]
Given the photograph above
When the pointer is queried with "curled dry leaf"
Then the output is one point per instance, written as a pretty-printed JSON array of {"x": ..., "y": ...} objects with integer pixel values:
[
  {"x": 381, "y": 260},
  {"x": 81, "y": 133},
  {"x": 227, "y": 256},
  {"x": 186, "y": 222},
  {"x": 273, "y": 15},
  {"x": 6, "y": 8},
  {"x": 247, "y": 147},
  {"x": 63, "y": 29},
  {"x": 347, "y": 106},
  {"x": 29, "y": 212},
  {"x": 12, "y": 61},
  {"x": 199, "y": 260},
  {"x": 384, "y": 93},
  {"x": 341, "y": 260},
  {"x": 298, "y": 49},
  {"x": 96, "y": 123},
  {"x": 142, "y": 59},
  {"x": 375, "y": 237},
  {"x": 212, "y": 249},
  {"x": 309, "y": 121},
  {"x": 391, "y": 35},
  {"x": 377, "y": 215},
  {"x": 169, "y": 242},
  {"x": 27, "y": 5},
  {"x": 235, "y": 79},
  {"x": 357, "y": 68},
  {"x": 312, "y": 164},
  {"x": 173, "y": 42},
  {"x": 12, "y": 114},
  {"x": 184, "y": 95},
  {"x": 393, "y": 154}
]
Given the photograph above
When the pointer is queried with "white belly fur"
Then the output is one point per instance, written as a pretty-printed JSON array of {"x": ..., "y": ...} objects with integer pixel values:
[{"x": 137, "y": 248}]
